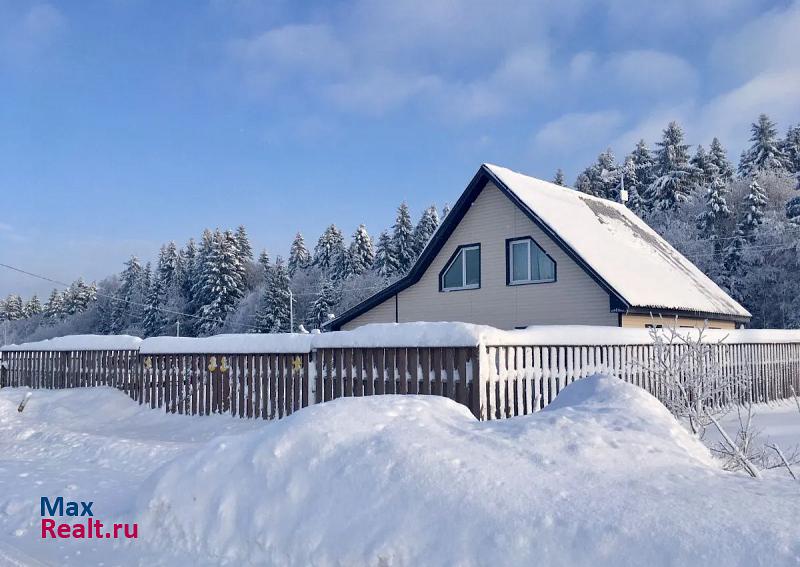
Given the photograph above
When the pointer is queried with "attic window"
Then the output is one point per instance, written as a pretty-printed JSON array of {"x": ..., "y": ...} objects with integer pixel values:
[
  {"x": 463, "y": 271},
  {"x": 527, "y": 263}
]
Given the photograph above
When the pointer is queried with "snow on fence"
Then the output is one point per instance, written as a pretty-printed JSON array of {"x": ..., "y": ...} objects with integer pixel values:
[{"x": 496, "y": 374}]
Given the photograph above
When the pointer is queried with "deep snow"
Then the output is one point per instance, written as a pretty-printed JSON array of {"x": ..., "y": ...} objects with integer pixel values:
[{"x": 603, "y": 476}]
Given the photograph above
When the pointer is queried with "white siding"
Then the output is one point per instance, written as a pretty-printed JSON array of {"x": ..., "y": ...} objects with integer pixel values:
[{"x": 574, "y": 299}]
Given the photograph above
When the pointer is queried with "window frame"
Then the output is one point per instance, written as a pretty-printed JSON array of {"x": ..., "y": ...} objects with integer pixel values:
[
  {"x": 509, "y": 259},
  {"x": 461, "y": 249}
]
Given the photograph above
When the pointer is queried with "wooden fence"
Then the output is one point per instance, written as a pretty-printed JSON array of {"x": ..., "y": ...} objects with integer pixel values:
[
  {"x": 493, "y": 381},
  {"x": 71, "y": 369},
  {"x": 523, "y": 379},
  {"x": 268, "y": 386}
]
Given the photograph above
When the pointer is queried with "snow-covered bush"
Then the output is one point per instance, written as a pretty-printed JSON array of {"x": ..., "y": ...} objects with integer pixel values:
[{"x": 687, "y": 365}]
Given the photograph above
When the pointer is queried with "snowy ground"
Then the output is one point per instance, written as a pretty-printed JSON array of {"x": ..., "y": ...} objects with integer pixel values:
[{"x": 603, "y": 476}]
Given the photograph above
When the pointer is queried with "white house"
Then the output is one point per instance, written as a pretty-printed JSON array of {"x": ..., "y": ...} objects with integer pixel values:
[{"x": 517, "y": 251}]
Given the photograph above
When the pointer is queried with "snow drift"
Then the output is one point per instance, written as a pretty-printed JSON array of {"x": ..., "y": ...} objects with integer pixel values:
[{"x": 605, "y": 475}]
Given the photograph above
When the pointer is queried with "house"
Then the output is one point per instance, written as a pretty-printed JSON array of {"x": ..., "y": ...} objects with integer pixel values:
[{"x": 516, "y": 251}]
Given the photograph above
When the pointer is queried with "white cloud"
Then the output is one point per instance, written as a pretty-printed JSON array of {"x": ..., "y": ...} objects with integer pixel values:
[
  {"x": 379, "y": 90},
  {"x": 651, "y": 71},
  {"x": 291, "y": 51},
  {"x": 24, "y": 36},
  {"x": 729, "y": 115},
  {"x": 577, "y": 130},
  {"x": 768, "y": 43},
  {"x": 378, "y": 56},
  {"x": 8, "y": 232}
]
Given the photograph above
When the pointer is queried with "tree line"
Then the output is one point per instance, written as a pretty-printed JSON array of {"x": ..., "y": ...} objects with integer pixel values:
[
  {"x": 741, "y": 225},
  {"x": 216, "y": 284}
]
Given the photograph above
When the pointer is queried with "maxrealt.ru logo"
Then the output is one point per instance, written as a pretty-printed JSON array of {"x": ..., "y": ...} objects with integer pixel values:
[{"x": 91, "y": 528}]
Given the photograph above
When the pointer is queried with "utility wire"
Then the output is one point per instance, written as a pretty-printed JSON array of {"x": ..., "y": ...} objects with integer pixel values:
[
  {"x": 164, "y": 309},
  {"x": 128, "y": 301}
]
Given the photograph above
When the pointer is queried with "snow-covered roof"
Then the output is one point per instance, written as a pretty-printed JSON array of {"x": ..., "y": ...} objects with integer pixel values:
[
  {"x": 80, "y": 342},
  {"x": 621, "y": 248}
]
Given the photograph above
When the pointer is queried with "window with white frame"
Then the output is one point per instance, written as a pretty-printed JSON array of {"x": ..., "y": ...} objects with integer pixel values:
[
  {"x": 464, "y": 269},
  {"x": 528, "y": 263}
]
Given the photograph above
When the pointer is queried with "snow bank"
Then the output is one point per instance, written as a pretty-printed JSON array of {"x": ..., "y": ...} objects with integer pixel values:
[
  {"x": 233, "y": 343},
  {"x": 604, "y": 476},
  {"x": 80, "y": 342},
  {"x": 87, "y": 444}
]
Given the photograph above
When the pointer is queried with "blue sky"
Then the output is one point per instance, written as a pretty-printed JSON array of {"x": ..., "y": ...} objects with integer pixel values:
[{"x": 127, "y": 123}]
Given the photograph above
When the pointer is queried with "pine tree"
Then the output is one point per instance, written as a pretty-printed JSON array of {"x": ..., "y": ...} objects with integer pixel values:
[
  {"x": 33, "y": 307},
  {"x": 299, "y": 257},
  {"x": 190, "y": 270},
  {"x": 264, "y": 262},
  {"x": 235, "y": 242},
  {"x": 445, "y": 210},
  {"x": 710, "y": 221},
  {"x": 402, "y": 239},
  {"x": 144, "y": 284},
  {"x": 674, "y": 173},
  {"x": 719, "y": 157},
  {"x": 793, "y": 210},
  {"x": 243, "y": 244},
  {"x": 733, "y": 263},
  {"x": 78, "y": 296},
  {"x": 385, "y": 261},
  {"x": 343, "y": 268},
  {"x": 154, "y": 318},
  {"x": 54, "y": 307},
  {"x": 754, "y": 204},
  {"x": 559, "y": 178},
  {"x": 329, "y": 251},
  {"x": 275, "y": 310},
  {"x": 644, "y": 172},
  {"x": 628, "y": 172},
  {"x": 168, "y": 265},
  {"x": 323, "y": 305},
  {"x": 601, "y": 179},
  {"x": 361, "y": 253},
  {"x": 13, "y": 308},
  {"x": 791, "y": 148},
  {"x": 765, "y": 153},
  {"x": 220, "y": 281},
  {"x": 583, "y": 183},
  {"x": 704, "y": 166},
  {"x": 427, "y": 225},
  {"x": 126, "y": 307}
]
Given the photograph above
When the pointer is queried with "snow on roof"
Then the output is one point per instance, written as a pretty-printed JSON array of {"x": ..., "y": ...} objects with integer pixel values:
[
  {"x": 80, "y": 342},
  {"x": 630, "y": 256},
  {"x": 278, "y": 343}
]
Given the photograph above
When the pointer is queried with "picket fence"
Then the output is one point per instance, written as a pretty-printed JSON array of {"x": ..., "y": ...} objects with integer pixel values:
[
  {"x": 268, "y": 386},
  {"x": 493, "y": 381}
]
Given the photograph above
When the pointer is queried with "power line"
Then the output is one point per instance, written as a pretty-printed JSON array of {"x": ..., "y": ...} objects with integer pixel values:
[
  {"x": 164, "y": 309},
  {"x": 128, "y": 301}
]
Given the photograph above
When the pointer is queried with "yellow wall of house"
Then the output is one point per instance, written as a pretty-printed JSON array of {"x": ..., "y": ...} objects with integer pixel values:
[{"x": 640, "y": 321}]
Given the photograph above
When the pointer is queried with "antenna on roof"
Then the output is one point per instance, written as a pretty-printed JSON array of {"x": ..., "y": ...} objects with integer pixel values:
[{"x": 623, "y": 193}]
